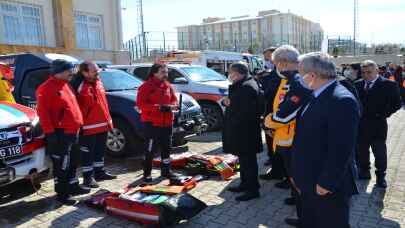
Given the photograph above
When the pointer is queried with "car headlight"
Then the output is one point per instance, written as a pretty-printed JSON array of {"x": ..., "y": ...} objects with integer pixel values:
[
  {"x": 223, "y": 92},
  {"x": 36, "y": 128}
]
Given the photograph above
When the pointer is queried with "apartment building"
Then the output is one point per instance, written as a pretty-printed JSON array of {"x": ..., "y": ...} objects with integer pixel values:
[
  {"x": 268, "y": 28},
  {"x": 76, "y": 27}
]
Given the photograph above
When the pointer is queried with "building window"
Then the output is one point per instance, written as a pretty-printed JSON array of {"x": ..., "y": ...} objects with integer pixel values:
[
  {"x": 89, "y": 31},
  {"x": 21, "y": 24}
]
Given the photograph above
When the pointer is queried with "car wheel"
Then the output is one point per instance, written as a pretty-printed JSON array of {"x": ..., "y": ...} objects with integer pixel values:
[
  {"x": 179, "y": 141},
  {"x": 121, "y": 139},
  {"x": 213, "y": 116}
]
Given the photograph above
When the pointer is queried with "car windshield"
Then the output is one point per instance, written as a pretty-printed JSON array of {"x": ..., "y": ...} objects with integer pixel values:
[
  {"x": 203, "y": 74},
  {"x": 117, "y": 80}
]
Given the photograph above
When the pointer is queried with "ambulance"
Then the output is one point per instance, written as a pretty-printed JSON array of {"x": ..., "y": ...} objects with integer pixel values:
[
  {"x": 216, "y": 60},
  {"x": 22, "y": 146}
]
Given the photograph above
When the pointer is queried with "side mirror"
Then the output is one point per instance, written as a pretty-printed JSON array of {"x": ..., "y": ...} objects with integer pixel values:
[{"x": 180, "y": 80}]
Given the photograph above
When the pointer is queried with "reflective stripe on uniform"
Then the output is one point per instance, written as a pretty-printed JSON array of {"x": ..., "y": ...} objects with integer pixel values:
[
  {"x": 74, "y": 181},
  {"x": 284, "y": 142},
  {"x": 65, "y": 163},
  {"x": 98, "y": 164},
  {"x": 87, "y": 169},
  {"x": 286, "y": 119},
  {"x": 84, "y": 149},
  {"x": 80, "y": 87},
  {"x": 150, "y": 145},
  {"x": 56, "y": 156},
  {"x": 92, "y": 126},
  {"x": 134, "y": 214}
]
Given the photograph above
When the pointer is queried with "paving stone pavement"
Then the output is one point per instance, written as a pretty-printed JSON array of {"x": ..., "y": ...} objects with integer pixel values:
[{"x": 372, "y": 208}]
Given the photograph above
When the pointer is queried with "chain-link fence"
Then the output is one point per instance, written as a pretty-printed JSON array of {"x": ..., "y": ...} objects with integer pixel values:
[{"x": 159, "y": 42}]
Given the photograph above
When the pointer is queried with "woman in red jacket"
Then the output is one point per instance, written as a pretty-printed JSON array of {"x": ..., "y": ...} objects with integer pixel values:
[{"x": 157, "y": 100}]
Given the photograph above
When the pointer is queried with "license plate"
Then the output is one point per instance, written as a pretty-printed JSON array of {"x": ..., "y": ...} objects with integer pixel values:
[{"x": 11, "y": 151}]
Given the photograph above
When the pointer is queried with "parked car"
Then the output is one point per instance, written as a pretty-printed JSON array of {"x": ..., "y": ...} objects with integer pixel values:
[
  {"x": 31, "y": 70},
  {"x": 204, "y": 84},
  {"x": 216, "y": 60},
  {"x": 121, "y": 89},
  {"x": 22, "y": 152}
]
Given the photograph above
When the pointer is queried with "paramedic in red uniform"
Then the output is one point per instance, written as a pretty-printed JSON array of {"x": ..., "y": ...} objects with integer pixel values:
[
  {"x": 157, "y": 100},
  {"x": 61, "y": 120},
  {"x": 97, "y": 120}
]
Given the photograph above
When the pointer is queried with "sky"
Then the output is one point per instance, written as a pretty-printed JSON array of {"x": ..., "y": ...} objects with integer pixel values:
[{"x": 380, "y": 21}]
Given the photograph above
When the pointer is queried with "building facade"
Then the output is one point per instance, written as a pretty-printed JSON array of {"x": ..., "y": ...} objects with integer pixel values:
[
  {"x": 77, "y": 27},
  {"x": 269, "y": 28}
]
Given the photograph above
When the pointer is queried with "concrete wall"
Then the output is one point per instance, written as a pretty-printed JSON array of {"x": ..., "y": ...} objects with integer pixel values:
[
  {"x": 109, "y": 11},
  {"x": 379, "y": 59}
]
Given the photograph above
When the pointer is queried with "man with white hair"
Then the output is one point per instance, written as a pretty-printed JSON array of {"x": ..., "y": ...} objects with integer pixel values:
[
  {"x": 285, "y": 59},
  {"x": 324, "y": 146},
  {"x": 290, "y": 96},
  {"x": 380, "y": 99}
]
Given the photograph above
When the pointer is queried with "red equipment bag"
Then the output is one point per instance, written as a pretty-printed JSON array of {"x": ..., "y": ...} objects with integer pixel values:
[
  {"x": 144, "y": 213},
  {"x": 177, "y": 161},
  {"x": 97, "y": 200},
  {"x": 155, "y": 210},
  {"x": 188, "y": 182},
  {"x": 221, "y": 167},
  {"x": 230, "y": 159},
  {"x": 217, "y": 163},
  {"x": 161, "y": 189}
]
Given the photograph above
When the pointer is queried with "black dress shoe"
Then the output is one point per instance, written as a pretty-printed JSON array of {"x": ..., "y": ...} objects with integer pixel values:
[
  {"x": 248, "y": 196},
  {"x": 66, "y": 201},
  {"x": 364, "y": 176},
  {"x": 236, "y": 189},
  {"x": 147, "y": 179},
  {"x": 270, "y": 176},
  {"x": 268, "y": 163},
  {"x": 283, "y": 184},
  {"x": 381, "y": 183},
  {"x": 167, "y": 174},
  {"x": 290, "y": 201},
  {"x": 90, "y": 183},
  {"x": 79, "y": 190},
  {"x": 104, "y": 176},
  {"x": 292, "y": 222}
]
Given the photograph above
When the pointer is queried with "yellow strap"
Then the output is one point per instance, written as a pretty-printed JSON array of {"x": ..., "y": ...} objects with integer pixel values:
[{"x": 280, "y": 92}]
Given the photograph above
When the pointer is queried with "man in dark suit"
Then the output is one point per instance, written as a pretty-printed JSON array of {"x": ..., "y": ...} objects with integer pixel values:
[
  {"x": 380, "y": 99},
  {"x": 265, "y": 79},
  {"x": 324, "y": 146},
  {"x": 241, "y": 132}
]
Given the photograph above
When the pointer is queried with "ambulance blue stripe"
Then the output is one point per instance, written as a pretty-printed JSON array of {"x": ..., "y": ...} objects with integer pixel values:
[{"x": 13, "y": 111}]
